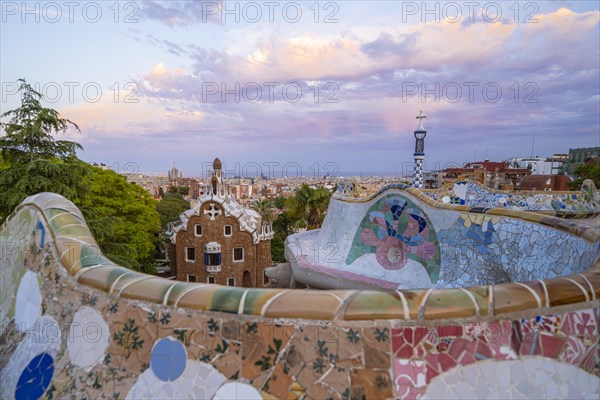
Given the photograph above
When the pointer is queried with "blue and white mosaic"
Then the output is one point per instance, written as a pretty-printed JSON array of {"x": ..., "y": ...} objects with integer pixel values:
[
  {"x": 474, "y": 194},
  {"x": 396, "y": 241}
]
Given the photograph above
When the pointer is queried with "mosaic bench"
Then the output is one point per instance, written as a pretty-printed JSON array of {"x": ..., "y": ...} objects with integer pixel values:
[
  {"x": 584, "y": 203},
  {"x": 400, "y": 238},
  {"x": 74, "y": 324}
]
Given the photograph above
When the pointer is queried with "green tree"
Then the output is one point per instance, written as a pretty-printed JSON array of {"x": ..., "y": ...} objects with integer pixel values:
[
  {"x": 277, "y": 249},
  {"x": 279, "y": 202},
  {"x": 170, "y": 207},
  {"x": 29, "y": 131},
  {"x": 181, "y": 190},
  {"x": 3, "y": 164},
  {"x": 123, "y": 219},
  {"x": 590, "y": 170},
  {"x": 282, "y": 228},
  {"x": 264, "y": 208},
  {"x": 308, "y": 206},
  {"x": 121, "y": 216},
  {"x": 283, "y": 224},
  {"x": 32, "y": 160},
  {"x": 19, "y": 181}
]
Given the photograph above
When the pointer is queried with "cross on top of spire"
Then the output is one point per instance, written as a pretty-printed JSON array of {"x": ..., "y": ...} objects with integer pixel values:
[{"x": 420, "y": 117}]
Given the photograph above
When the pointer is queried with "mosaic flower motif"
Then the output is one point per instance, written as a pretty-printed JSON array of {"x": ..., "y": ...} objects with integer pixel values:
[
  {"x": 410, "y": 378},
  {"x": 582, "y": 323},
  {"x": 532, "y": 378},
  {"x": 573, "y": 351},
  {"x": 168, "y": 359},
  {"x": 237, "y": 390},
  {"x": 477, "y": 330},
  {"x": 397, "y": 230},
  {"x": 543, "y": 323},
  {"x": 36, "y": 378},
  {"x": 390, "y": 253},
  {"x": 173, "y": 375}
]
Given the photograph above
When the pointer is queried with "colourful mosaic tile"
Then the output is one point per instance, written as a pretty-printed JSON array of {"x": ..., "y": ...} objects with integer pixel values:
[
  {"x": 91, "y": 331},
  {"x": 474, "y": 194}
]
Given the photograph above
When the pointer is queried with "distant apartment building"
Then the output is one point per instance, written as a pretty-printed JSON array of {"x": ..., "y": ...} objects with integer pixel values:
[
  {"x": 496, "y": 175},
  {"x": 219, "y": 241},
  {"x": 540, "y": 165},
  {"x": 152, "y": 184},
  {"x": 194, "y": 186}
]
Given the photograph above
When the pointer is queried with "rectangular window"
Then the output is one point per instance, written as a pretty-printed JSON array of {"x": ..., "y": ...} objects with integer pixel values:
[
  {"x": 231, "y": 282},
  {"x": 211, "y": 279},
  {"x": 238, "y": 254},
  {"x": 212, "y": 259},
  {"x": 198, "y": 230},
  {"x": 190, "y": 254},
  {"x": 228, "y": 230},
  {"x": 191, "y": 278}
]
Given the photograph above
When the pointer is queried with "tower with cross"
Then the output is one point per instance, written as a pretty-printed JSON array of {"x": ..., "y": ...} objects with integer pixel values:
[
  {"x": 419, "y": 152},
  {"x": 220, "y": 241},
  {"x": 217, "y": 178}
]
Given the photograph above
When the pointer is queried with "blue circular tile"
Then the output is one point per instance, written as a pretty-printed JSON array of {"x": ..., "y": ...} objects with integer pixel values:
[
  {"x": 35, "y": 378},
  {"x": 168, "y": 359}
]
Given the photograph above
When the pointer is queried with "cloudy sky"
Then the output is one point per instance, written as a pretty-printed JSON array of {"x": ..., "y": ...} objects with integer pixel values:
[{"x": 333, "y": 85}]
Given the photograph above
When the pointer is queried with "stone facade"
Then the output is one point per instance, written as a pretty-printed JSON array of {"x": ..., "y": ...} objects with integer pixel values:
[
  {"x": 247, "y": 273},
  {"x": 219, "y": 241}
]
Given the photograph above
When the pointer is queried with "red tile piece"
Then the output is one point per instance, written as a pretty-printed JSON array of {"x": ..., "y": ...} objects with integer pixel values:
[{"x": 551, "y": 345}]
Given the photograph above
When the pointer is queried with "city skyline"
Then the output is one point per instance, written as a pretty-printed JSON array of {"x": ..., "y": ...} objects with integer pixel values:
[{"x": 371, "y": 64}]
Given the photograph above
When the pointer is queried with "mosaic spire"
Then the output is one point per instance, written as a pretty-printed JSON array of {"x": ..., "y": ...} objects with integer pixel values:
[{"x": 419, "y": 154}]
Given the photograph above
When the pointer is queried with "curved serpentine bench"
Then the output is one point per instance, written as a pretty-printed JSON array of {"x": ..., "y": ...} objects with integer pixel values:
[
  {"x": 400, "y": 238},
  {"x": 584, "y": 203},
  {"x": 76, "y": 324}
]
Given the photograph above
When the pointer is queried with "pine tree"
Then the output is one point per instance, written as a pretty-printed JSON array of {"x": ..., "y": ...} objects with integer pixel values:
[
  {"x": 29, "y": 131},
  {"x": 33, "y": 160},
  {"x": 121, "y": 216}
]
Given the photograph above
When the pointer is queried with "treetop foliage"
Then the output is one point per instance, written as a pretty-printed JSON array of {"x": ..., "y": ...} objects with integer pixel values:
[
  {"x": 121, "y": 216},
  {"x": 28, "y": 133},
  {"x": 590, "y": 170}
]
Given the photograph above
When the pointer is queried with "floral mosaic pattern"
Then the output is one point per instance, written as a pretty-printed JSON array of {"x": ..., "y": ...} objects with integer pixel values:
[
  {"x": 426, "y": 358},
  {"x": 460, "y": 246},
  {"x": 397, "y": 230}
]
